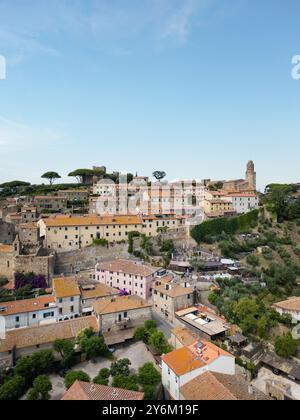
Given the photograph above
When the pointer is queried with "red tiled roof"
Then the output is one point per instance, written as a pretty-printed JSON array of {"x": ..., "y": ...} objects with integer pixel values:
[{"x": 84, "y": 391}]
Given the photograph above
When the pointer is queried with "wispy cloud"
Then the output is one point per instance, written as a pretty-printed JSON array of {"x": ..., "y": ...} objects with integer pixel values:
[
  {"x": 18, "y": 137},
  {"x": 179, "y": 24},
  {"x": 33, "y": 27}
]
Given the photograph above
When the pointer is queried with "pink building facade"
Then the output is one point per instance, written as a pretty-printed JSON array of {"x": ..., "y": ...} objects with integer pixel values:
[{"x": 132, "y": 278}]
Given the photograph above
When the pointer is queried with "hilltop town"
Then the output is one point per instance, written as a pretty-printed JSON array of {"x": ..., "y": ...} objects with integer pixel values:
[{"x": 128, "y": 287}]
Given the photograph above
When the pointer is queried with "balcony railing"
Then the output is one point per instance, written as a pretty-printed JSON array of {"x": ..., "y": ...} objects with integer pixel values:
[{"x": 124, "y": 322}]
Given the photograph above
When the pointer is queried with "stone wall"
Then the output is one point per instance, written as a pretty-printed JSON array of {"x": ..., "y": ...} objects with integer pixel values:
[
  {"x": 179, "y": 236},
  {"x": 6, "y": 265},
  {"x": 69, "y": 263},
  {"x": 43, "y": 265},
  {"x": 7, "y": 232}
]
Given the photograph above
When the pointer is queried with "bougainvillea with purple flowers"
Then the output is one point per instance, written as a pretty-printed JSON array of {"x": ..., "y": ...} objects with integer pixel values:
[
  {"x": 123, "y": 293},
  {"x": 30, "y": 279}
]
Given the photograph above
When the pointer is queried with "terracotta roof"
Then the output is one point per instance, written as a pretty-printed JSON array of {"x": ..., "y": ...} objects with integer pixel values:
[
  {"x": 206, "y": 387},
  {"x": 46, "y": 334},
  {"x": 65, "y": 220},
  {"x": 84, "y": 391},
  {"x": 292, "y": 304},
  {"x": 208, "y": 351},
  {"x": 27, "y": 305},
  {"x": 29, "y": 225},
  {"x": 65, "y": 287},
  {"x": 73, "y": 191},
  {"x": 49, "y": 197},
  {"x": 128, "y": 267},
  {"x": 98, "y": 291},
  {"x": 247, "y": 195},
  {"x": 119, "y": 304},
  {"x": 6, "y": 249},
  {"x": 215, "y": 201},
  {"x": 182, "y": 361},
  {"x": 176, "y": 290},
  {"x": 199, "y": 354},
  {"x": 185, "y": 336},
  {"x": 211, "y": 386}
]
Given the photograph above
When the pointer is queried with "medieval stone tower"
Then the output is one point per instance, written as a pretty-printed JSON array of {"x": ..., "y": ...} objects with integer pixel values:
[{"x": 251, "y": 176}]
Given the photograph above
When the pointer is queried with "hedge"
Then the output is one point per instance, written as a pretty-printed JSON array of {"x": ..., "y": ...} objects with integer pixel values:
[{"x": 230, "y": 226}]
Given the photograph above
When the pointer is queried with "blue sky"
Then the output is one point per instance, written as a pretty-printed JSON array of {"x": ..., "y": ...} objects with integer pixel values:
[{"x": 192, "y": 87}]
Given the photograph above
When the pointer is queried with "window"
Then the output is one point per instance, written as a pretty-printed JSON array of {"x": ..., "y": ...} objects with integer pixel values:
[
  {"x": 34, "y": 316},
  {"x": 72, "y": 309},
  {"x": 17, "y": 319},
  {"x": 48, "y": 315}
]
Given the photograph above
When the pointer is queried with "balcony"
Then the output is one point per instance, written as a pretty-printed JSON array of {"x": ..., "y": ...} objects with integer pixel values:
[{"x": 124, "y": 322}]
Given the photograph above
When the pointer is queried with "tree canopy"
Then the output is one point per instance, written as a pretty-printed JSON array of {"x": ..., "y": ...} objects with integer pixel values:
[
  {"x": 159, "y": 175},
  {"x": 51, "y": 176}
]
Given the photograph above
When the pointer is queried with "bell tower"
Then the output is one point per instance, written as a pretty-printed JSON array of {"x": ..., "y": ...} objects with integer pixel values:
[{"x": 251, "y": 176}]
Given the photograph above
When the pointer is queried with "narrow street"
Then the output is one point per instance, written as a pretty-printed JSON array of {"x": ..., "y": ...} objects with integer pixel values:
[{"x": 163, "y": 325}]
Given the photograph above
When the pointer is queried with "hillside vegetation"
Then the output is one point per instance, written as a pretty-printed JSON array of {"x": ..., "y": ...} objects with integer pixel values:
[{"x": 268, "y": 245}]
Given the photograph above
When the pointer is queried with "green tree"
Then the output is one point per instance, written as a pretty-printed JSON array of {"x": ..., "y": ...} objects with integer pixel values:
[
  {"x": 82, "y": 175},
  {"x": 103, "y": 377},
  {"x": 43, "y": 362},
  {"x": 246, "y": 312},
  {"x": 212, "y": 298},
  {"x": 33, "y": 395},
  {"x": 149, "y": 392},
  {"x": 25, "y": 368},
  {"x": 51, "y": 176},
  {"x": 66, "y": 350},
  {"x": 159, "y": 175},
  {"x": 12, "y": 389},
  {"x": 120, "y": 367},
  {"x": 148, "y": 375},
  {"x": 94, "y": 347},
  {"x": 75, "y": 375},
  {"x": 262, "y": 327},
  {"x": 141, "y": 334},
  {"x": 42, "y": 385},
  {"x": 253, "y": 260},
  {"x": 126, "y": 382},
  {"x": 158, "y": 341},
  {"x": 151, "y": 324},
  {"x": 286, "y": 346}
]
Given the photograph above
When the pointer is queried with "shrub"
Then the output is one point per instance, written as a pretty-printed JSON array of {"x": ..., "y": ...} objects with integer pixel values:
[
  {"x": 148, "y": 375},
  {"x": 286, "y": 346},
  {"x": 158, "y": 341},
  {"x": 42, "y": 385},
  {"x": 103, "y": 377},
  {"x": 120, "y": 367},
  {"x": 12, "y": 389},
  {"x": 75, "y": 375},
  {"x": 149, "y": 391},
  {"x": 126, "y": 382},
  {"x": 100, "y": 242}
]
